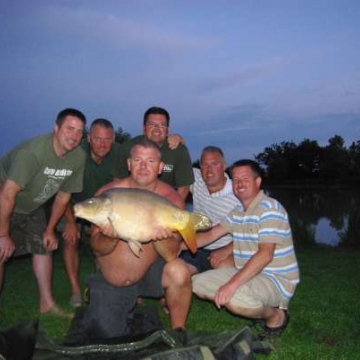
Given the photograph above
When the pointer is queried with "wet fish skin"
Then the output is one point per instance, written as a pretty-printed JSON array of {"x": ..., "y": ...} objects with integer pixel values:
[{"x": 134, "y": 213}]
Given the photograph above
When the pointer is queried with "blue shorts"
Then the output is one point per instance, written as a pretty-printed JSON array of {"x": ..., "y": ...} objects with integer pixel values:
[{"x": 200, "y": 259}]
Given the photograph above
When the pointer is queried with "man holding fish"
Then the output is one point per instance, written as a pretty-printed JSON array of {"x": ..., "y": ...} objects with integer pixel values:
[{"x": 124, "y": 272}]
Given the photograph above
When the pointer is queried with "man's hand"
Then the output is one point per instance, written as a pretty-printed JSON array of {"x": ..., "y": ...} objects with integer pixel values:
[
  {"x": 161, "y": 233},
  {"x": 7, "y": 248},
  {"x": 218, "y": 256},
  {"x": 71, "y": 233},
  {"x": 224, "y": 294},
  {"x": 174, "y": 141},
  {"x": 108, "y": 230},
  {"x": 50, "y": 240}
]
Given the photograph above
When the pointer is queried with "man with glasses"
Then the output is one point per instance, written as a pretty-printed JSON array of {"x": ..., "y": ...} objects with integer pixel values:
[
  {"x": 101, "y": 167},
  {"x": 177, "y": 171}
]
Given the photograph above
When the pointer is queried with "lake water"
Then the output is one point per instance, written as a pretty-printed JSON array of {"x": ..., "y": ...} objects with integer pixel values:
[{"x": 323, "y": 216}]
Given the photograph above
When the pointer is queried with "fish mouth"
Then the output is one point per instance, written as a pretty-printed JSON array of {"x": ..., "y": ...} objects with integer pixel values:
[{"x": 76, "y": 210}]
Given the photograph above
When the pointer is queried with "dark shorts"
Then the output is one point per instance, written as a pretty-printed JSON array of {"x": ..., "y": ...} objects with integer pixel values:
[
  {"x": 27, "y": 230},
  {"x": 150, "y": 284},
  {"x": 110, "y": 309},
  {"x": 200, "y": 259}
]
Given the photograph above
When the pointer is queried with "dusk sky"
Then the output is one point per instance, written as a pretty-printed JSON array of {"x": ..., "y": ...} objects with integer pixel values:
[{"x": 241, "y": 74}]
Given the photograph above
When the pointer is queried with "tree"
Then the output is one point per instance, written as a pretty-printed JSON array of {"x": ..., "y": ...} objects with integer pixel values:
[
  {"x": 121, "y": 136},
  {"x": 277, "y": 159},
  {"x": 334, "y": 160},
  {"x": 307, "y": 157}
]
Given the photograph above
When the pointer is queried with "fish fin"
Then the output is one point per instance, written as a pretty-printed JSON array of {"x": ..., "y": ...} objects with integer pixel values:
[
  {"x": 189, "y": 235},
  {"x": 200, "y": 222},
  {"x": 135, "y": 247}
]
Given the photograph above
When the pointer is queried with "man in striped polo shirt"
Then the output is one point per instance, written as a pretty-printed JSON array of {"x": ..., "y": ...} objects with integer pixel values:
[
  {"x": 212, "y": 196},
  {"x": 265, "y": 271}
]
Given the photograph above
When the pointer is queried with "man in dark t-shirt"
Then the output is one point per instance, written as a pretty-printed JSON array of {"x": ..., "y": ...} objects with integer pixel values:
[
  {"x": 101, "y": 167},
  {"x": 177, "y": 171}
]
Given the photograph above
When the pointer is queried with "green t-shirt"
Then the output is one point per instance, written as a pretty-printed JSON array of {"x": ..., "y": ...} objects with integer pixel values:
[
  {"x": 36, "y": 168},
  {"x": 178, "y": 167},
  {"x": 97, "y": 175}
]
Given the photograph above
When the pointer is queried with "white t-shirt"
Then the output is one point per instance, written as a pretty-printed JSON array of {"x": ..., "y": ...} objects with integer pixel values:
[{"x": 215, "y": 206}]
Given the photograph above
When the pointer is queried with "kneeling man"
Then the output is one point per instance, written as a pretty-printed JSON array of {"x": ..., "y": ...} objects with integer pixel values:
[
  {"x": 122, "y": 276},
  {"x": 265, "y": 272}
]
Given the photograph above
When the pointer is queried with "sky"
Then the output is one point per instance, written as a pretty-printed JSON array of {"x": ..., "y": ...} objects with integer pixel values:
[{"x": 238, "y": 74}]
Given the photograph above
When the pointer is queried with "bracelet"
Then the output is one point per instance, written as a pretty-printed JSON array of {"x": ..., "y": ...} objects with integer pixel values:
[{"x": 4, "y": 235}]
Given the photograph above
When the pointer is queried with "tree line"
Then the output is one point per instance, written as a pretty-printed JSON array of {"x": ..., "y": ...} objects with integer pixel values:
[{"x": 307, "y": 161}]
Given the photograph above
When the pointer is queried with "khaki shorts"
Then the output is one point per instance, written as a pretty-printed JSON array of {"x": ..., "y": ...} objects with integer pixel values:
[
  {"x": 27, "y": 232},
  {"x": 258, "y": 292}
]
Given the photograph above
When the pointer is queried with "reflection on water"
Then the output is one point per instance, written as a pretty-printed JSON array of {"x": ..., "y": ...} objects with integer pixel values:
[
  {"x": 329, "y": 216},
  {"x": 325, "y": 234}
]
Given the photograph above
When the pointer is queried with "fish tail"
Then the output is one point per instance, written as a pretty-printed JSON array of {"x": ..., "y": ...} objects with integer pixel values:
[
  {"x": 199, "y": 221},
  {"x": 189, "y": 235}
]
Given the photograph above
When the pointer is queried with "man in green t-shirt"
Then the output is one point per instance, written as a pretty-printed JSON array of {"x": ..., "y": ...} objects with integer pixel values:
[
  {"x": 177, "y": 171},
  {"x": 101, "y": 167},
  {"x": 31, "y": 174}
]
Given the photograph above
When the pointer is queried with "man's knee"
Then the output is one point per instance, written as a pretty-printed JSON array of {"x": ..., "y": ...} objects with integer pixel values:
[
  {"x": 176, "y": 273},
  {"x": 240, "y": 309}
]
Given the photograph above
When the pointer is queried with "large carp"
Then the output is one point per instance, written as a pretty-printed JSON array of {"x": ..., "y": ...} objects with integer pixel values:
[{"x": 134, "y": 213}]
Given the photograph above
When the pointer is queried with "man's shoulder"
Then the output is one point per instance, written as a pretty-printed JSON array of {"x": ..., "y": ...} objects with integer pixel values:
[
  {"x": 114, "y": 184},
  {"x": 168, "y": 192},
  {"x": 127, "y": 145},
  {"x": 180, "y": 149},
  {"x": 267, "y": 203},
  {"x": 136, "y": 139},
  {"x": 78, "y": 154},
  {"x": 37, "y": 142},
  {"x": 38, "y": 146}
]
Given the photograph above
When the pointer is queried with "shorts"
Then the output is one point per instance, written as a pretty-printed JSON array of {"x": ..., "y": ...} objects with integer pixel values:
[
  {"x": 111, "y": 307},
  {"x": 257, "y": 292},
  {"x": 150, "y": 285},
  {"x": 27, "y": 230},
  {"x": 200, "y": 260}
]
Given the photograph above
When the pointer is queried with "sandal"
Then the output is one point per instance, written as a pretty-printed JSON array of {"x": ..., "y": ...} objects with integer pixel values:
[
  {"x": 273, "y": 332},
  {"x": 57, "y": 311}
]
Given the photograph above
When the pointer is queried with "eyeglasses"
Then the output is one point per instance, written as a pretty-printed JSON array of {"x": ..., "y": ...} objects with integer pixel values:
[
  {"x": 100, "y": 140},
  {"x": 156, "y": 125}
]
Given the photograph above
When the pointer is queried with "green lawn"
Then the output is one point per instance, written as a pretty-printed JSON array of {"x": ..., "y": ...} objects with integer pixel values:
[{"x": 325, "y": 312}]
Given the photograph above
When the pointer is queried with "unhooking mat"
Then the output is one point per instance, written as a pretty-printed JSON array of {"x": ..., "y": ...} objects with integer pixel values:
[{"x": 25, "y": 341}]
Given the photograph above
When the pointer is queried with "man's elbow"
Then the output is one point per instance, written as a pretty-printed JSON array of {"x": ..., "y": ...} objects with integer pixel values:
[{"x": 183, "y": 191}]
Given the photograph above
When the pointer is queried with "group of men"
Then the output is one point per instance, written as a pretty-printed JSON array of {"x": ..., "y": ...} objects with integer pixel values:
[{"x": 245, "y": 263}]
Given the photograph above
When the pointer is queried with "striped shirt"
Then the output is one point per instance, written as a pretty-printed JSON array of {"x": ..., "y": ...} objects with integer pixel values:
[
  {"x": 265, "y": 221},
  {"x": 215, "y": 206}
]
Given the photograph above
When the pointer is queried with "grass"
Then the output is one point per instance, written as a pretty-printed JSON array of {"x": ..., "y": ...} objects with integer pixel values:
[{"x": 325, "y": 312}]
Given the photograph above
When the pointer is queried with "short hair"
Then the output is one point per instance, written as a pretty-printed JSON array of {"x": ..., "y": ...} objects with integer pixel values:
[
  {"x": 213, "y": 149},
  {"x": 102, "y": 122},
  {"x": 155, "y": 110},
  {"x": 69, "y": 112},
  {"x": 255, "y": 167},
  {"x": 148, "y": 144}
]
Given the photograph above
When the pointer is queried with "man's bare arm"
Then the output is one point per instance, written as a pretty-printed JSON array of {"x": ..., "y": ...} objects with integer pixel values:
[
  {"x": 8, "y": 193},
  {"x": 208, "y": 237},
  {"x": 101, "y": 244},
  {"x": 254, "y": 266},
  {"x": 61, "y": 201},
  {"x": 71, "y": 232}
]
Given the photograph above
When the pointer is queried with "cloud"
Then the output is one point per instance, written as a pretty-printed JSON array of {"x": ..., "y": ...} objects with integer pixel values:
[
  {"x": 243, "y": 77},
  {"x": 111, "y": 29}
]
